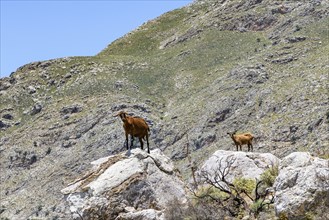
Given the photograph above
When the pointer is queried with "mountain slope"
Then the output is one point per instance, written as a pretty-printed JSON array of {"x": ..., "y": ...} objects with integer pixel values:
[{"x": 203, "y": 70}]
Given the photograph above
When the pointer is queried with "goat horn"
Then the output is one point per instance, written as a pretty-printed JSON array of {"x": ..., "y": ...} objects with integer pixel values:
[{"x": 121, "y": 112}]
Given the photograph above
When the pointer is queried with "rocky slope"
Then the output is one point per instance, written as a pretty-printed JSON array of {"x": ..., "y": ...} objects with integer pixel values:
[{"x": 203, "y": 70}]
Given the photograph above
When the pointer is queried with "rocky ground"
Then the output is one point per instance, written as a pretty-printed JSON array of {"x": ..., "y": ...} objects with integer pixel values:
[{"x": 194, "y": 74}]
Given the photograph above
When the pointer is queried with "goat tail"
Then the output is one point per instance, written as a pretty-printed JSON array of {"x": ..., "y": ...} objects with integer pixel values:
[
  {"x": 253, "y": 139},
  {"x": 147, "y": 134}
]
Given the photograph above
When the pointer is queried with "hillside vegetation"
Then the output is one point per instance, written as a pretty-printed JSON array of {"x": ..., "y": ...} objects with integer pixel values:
[{"x": 209, "y": 68}]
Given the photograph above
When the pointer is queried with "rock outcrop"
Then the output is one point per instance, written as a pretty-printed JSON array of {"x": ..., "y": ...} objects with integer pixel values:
[
  {"x": 302, "y": 187},
  {"x": 246, "y": 165},
  {"x": 137, "y": 186}
]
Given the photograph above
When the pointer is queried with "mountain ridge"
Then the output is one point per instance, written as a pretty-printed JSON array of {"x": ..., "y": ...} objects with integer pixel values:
[{"x": 204, "y": 70}]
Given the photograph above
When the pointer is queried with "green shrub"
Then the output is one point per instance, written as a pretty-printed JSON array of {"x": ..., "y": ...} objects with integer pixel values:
[
  {"x": 211, "y": 191},
  {"x": 244, "y": 184},
  {"x": 256, "y": 206},
  {"x": 268, "y": 177}
]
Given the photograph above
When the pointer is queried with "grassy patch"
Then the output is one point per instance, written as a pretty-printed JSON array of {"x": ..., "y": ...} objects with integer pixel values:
[{"x": 146, "y": 38}]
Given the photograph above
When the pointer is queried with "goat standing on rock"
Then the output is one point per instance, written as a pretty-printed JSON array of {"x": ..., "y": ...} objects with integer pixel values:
[
  {"x": 241, "y": 139},
  {"x": 135, "y": 127}
]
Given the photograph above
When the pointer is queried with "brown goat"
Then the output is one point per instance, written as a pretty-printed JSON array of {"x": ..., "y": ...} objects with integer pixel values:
[
  {"x": 241, "y": 139},
  {"x": 135, "y": 127}
]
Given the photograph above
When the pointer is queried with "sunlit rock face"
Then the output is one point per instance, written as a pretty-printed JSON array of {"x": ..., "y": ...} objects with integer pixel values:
[
  {"x": 302, "y": 187},
  {"x": 135, "y": 186}
]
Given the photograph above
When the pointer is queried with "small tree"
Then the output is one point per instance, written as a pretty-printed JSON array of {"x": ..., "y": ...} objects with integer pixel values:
[{"x": 234, "y": 197}]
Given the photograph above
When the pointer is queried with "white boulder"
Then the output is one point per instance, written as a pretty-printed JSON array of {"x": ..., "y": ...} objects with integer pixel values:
[
  {"x": 302, "y": 187},
  {"x": 246, "y": 164},
  {"x": 137, "y": 186}
]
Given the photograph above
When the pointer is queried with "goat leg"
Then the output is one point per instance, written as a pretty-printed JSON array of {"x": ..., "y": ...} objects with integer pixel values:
[
  {"x": 147, "y": 142},
  {"x": 132, "y": 141},
  {"x": 141, "y": 142},
  {"x": 127, "y": 141}
]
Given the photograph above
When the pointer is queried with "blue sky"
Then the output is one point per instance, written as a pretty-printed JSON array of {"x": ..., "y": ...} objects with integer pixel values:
[{"x": 41, "y": 30}]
